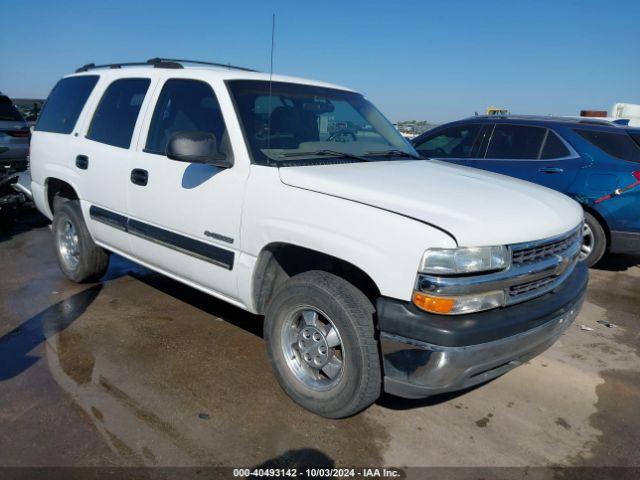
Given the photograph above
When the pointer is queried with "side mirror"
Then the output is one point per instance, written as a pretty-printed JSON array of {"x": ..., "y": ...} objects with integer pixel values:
[{"x": 197, "y": 147}]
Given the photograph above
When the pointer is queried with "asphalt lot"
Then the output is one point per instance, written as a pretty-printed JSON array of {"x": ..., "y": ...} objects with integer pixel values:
[{"x": 140, "y": 370}]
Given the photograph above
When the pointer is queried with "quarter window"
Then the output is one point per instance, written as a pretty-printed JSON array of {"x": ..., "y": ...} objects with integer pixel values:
[
  {"x": 618, "y": 145},
  {"x": 454, "y": 142},
  {"x": 186, "y": 106},
  {"x": 553, "y": 148},
  {"x": 116, "y": 115},
  {"x": 65, "y": 102}
]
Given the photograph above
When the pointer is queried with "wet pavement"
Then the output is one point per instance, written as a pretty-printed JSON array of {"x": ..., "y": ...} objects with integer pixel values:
[{"x": 140, "y": 370}]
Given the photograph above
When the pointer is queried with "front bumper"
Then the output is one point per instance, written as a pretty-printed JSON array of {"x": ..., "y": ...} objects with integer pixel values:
[{"x": 416, "y": 366}]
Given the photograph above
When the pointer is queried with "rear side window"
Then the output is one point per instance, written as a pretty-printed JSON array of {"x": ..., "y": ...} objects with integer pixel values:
[
  {"x": 65, "y": 102},
  {"x": 515, "y": 142},
  {"x": 8, "y": 112},
  {"x": 618, "y": 145},
  {"x": 454, "y": 142},
  {"x": 186, "y": 106},
  {"x": 117, "y": 112},
  {"x": 553, "y": 148}
]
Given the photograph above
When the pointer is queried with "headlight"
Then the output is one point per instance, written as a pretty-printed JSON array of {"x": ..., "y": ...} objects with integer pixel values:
[
  {"x": 458, "y": 304},
  {"x": 452, "y": 261}
]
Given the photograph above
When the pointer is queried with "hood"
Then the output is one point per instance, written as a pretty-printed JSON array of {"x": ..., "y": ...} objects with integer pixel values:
[{"x": 475, "y": 207}]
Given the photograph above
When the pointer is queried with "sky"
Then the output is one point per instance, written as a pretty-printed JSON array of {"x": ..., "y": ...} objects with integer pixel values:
[{"x": 424, "y": 60}]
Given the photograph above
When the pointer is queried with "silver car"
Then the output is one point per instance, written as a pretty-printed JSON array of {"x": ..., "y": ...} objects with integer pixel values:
[{"x": 14, "y": 138}]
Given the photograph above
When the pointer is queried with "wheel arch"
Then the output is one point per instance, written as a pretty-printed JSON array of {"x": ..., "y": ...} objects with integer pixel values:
[
  {"x": 57, "y": 187},
  {"x": 279, "y": 261},
  {"x": 599, "y": 217}
]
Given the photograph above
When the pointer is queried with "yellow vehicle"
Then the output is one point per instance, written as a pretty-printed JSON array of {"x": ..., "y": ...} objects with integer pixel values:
[{"x": 497, "y": 111}]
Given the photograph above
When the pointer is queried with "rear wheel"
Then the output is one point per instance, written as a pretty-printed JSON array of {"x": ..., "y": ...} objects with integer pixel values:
[
  {"x": 80, "y": 259},
  {"x": 320, "y": 339},
  {"x": 594, "y": 240}
]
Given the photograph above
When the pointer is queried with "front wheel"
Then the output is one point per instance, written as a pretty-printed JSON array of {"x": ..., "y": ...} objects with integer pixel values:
[
  {"x": 594, "y": 241},
  {"x": 320, "y": 340}
]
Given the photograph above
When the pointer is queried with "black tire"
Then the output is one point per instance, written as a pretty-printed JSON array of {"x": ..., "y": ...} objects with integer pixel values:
[
  {"x": 596, "y": 241},
  {"x": 92, "y": 261},
  {"x": 351, "y": 312}
]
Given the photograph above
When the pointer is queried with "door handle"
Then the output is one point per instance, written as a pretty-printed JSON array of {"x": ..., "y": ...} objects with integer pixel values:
[
  {"x": 551, "y": 170},
  {"x": 82, "y": 162},
  {"x": 139, "y": 176}
]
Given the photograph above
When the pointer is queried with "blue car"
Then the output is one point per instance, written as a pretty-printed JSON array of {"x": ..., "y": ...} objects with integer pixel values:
[{"x": 595, "y": 162}]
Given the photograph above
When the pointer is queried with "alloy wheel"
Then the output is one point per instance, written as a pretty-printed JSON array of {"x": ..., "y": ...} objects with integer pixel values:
[
  {"x": 587, "y": 242},
  {"x": 68, "y": 244},
  {"x": 313, "y": 348}
]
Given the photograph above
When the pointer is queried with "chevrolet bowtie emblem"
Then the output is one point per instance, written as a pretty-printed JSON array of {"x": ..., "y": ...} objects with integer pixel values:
[{"x": 563, "y": 264}]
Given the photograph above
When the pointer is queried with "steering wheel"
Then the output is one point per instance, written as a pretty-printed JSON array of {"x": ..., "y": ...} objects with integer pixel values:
[{"x": 342, "y": 135}]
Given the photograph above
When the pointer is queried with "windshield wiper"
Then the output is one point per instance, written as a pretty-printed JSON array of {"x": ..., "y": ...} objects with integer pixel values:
[
  {"x": 332, "y": 153},
  {"x": 398, "y": 153}
]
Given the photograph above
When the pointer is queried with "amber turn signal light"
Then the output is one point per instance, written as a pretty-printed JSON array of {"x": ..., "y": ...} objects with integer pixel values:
[{"x": 433, "y": 304}]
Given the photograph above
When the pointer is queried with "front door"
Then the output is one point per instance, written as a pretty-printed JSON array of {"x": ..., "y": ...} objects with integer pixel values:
[{"x": 185, "y": 217}]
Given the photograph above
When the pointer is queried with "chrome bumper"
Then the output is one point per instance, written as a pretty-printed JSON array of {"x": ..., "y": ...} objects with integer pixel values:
[{"x": 416, "y": 369}]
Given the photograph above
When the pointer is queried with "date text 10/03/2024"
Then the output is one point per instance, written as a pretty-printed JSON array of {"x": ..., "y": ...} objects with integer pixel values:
[{"x": 318, "y": 472}]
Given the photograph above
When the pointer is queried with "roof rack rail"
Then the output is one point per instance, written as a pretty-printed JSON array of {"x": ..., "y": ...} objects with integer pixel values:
[
  {"x": 200, "y": 62},
  {"x": 158, "y": 62},
  {"x": 595, "y": 121}
]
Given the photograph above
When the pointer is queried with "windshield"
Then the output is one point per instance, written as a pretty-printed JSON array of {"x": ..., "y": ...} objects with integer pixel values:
[
  {"x": 302, "y": 124},
  {"x": 8, "y": 112}
]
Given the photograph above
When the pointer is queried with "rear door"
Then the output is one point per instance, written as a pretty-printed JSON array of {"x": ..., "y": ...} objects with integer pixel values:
[
  {"x": 103, "y": 157},
  {"x": 531, "y": 153},
  {"x": 453, "y": 144}
]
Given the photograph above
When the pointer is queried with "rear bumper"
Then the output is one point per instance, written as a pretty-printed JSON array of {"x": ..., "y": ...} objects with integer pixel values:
[
  {"x": 625, "y": 242},
  {"x": 417, "y": 367},
  {"x": 12, "y": 152},
  {"x": 24, "y": 184}
]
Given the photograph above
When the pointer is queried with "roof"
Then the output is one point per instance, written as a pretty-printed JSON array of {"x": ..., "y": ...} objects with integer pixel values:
[
  {"x": 546, "y": 119},
  {"x": 185, "y": 68}
]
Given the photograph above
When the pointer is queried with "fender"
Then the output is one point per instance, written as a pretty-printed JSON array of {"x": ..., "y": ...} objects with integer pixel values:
[{"x": 386, "y": 246}]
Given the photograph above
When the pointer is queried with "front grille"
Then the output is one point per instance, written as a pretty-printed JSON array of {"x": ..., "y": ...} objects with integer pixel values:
[
  {"x": 529, "y": 287},
  {"x": 528, "y": 256},
  {"x": 537, "y": 253}
]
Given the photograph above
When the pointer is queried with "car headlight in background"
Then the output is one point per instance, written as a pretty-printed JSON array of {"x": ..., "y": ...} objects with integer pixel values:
[{"x": 457, "y": 261}]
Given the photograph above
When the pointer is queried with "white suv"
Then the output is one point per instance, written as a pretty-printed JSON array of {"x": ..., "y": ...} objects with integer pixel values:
[{"x": 299, "y": 201}]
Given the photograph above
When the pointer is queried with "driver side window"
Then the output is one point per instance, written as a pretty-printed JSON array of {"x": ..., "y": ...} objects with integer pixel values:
[
  {"x": 186, "y": 106},
  {"x": 454, "y": 142}
]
